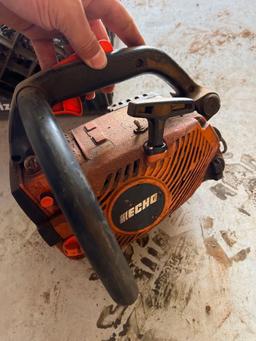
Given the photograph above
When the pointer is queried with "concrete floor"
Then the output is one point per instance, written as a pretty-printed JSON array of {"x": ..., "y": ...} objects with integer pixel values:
[{"x": 201, "y": 282}]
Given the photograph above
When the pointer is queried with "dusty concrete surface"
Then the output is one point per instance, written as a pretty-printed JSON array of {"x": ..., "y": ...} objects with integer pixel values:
[{"x": 200, "y": 281}]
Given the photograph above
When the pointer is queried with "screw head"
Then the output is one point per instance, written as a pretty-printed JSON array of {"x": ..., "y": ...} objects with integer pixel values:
[{"x": 31, "y": 164}]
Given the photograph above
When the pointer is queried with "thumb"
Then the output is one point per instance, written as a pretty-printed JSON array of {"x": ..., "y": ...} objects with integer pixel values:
[{"x": 73, "y": 23}]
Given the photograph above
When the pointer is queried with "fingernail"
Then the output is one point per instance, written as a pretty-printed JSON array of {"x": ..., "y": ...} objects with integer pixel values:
[{"x": 99, "y": 61}]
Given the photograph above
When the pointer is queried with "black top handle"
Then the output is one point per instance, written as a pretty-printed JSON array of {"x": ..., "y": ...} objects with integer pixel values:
[{"x": 33, "y": 129}]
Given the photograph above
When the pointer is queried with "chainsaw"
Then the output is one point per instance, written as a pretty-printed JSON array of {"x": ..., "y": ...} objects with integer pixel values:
[{"x": 109, "y": 181}]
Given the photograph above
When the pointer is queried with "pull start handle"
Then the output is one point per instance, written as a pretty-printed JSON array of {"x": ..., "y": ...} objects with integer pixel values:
[{"x": 157, "y": 112}]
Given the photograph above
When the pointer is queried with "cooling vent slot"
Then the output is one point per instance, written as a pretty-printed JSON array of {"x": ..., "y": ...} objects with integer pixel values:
[{"x": 182, "y": 172}]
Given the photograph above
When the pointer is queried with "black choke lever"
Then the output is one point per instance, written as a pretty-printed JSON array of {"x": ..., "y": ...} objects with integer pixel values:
[{"x": 157, "y": 112}]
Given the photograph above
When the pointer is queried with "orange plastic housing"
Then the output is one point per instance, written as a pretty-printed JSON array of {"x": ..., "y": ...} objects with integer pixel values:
[{"x": 112, "y": 157}]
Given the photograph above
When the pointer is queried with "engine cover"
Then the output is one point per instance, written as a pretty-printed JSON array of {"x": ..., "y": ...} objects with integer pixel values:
[{"x": 135, "y": 191}]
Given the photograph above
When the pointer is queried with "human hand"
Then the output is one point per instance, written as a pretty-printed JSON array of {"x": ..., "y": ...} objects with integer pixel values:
[{"x": 80, "y": 21}]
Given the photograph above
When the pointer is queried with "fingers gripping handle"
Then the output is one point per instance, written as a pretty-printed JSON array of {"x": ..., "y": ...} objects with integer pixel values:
[{"x": 74, "y": 79}]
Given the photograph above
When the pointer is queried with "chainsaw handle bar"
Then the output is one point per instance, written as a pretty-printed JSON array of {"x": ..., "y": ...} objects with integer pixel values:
[
  {"x": 33, "y": 129},
  {"x": 71, "y": 80},
  {"x": 75, "y": 196}
]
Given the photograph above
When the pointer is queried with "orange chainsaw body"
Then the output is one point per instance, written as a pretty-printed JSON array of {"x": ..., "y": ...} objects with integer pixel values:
[{"x": 135, "y": 191}]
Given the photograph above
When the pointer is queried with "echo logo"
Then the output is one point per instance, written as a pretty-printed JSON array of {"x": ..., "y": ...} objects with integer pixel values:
[{"x": 138, "y": 208}]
